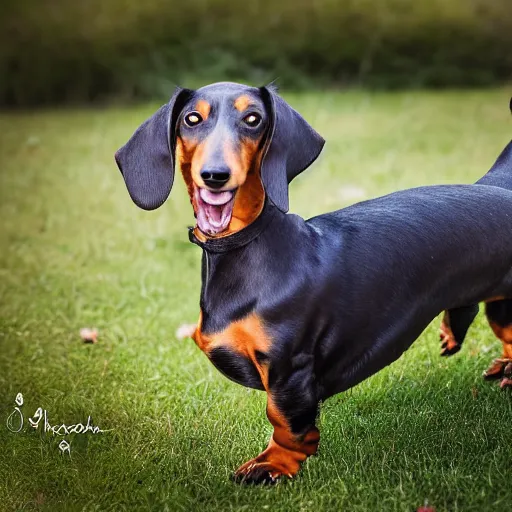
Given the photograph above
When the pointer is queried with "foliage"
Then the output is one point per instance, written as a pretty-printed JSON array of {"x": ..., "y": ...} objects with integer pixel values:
[{"x": 55, "y": 51}]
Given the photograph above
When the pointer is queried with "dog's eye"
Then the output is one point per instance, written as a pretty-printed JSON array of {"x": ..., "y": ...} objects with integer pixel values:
[
  {"x": 192, "y": 119},
  {"x": 252, "y": 120}
]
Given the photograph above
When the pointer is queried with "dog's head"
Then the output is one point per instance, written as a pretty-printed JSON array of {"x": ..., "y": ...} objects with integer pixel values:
[{"x": 234, "y": 144}]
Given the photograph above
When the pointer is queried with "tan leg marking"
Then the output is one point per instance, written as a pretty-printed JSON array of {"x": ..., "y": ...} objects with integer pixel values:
[
  {"x": 502, "y": 367},
  {"x": 284, "y": 454},
  {"x": 448, "y": 342}
]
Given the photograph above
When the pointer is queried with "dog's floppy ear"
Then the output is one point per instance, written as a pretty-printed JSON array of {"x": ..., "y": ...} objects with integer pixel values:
[
  {"x": 292, "y": 146},
  {"x": 146, "y": 161}
]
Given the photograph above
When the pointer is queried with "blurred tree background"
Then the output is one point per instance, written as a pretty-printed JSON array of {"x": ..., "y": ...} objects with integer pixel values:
[{"x": 62, "y": 51}]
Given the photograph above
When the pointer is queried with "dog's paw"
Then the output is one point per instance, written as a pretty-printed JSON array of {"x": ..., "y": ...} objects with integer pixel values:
[
  {"x": 253, "y": 472},
  {"x": 449, "y": 345},
  {"x": 185, "y": 331},
  {"x": 499, "y": 368},
  {"x": 506, "y": 383}
]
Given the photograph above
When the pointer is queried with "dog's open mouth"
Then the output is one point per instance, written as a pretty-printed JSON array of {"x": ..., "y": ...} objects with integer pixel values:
[{"x": 214, "y": 210}]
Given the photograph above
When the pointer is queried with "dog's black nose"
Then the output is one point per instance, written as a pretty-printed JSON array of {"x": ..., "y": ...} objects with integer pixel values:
[{"x": 215, "y": 178}]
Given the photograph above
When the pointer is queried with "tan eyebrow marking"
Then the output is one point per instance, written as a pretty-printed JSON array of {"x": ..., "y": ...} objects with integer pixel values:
[
  {"x": 203, "y": 107},
  {"x": 242, "y": 103}
]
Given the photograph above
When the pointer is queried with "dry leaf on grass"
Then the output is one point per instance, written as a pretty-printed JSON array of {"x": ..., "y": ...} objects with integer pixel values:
[
  {"x": 185, "y": 331},
  {"x": 89, "y": 335}
]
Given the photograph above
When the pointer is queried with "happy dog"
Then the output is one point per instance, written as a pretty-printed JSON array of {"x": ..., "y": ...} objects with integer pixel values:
[{"x": 307, "y": 309}]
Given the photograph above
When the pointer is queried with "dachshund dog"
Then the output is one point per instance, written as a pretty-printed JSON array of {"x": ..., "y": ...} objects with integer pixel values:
[{"x": 305, "y": 309}]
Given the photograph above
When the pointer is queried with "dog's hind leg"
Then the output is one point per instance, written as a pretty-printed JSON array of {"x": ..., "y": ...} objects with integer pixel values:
[
  {"x": 454, "y": 327},
  {"x": 499, "y": 314}
]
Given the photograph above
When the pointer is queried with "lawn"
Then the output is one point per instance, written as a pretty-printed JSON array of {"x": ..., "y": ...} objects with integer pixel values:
[{"x": 77, "y": 253}]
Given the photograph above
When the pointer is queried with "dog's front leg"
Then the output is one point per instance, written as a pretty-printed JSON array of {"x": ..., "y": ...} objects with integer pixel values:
[{"x": 292, "y": 411}]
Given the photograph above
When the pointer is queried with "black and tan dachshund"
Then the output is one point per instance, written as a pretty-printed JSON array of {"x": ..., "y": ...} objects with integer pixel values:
[{"x": 305, "y": 309}]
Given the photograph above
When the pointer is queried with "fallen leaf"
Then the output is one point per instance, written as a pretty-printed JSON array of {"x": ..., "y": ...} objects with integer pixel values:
[
  {"x": 185, "y": 331},
  {"x": 89, "y": 335}
]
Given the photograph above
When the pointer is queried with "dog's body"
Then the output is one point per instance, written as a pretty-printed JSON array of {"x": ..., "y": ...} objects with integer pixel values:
[
  {"x": 344, "y": 294},
  {"x": 306, "y": 309}
]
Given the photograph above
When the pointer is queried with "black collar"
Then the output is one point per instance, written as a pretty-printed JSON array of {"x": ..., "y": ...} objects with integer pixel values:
[{"x": 240, "y": 238}]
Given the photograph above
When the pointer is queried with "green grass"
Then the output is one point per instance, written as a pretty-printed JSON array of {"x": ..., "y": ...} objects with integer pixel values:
[{"x": 76, "y": 252}]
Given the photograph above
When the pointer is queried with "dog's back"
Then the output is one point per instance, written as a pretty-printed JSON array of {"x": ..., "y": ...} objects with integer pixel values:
[{"x": 500, "y": 174}]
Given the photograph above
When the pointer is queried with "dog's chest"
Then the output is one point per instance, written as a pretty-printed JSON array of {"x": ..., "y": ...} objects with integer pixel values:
[{"x": 240, "y": 351}]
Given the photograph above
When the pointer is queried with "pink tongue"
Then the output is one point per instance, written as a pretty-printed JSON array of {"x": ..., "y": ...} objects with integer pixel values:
[{"x": 216, "y": 198}]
